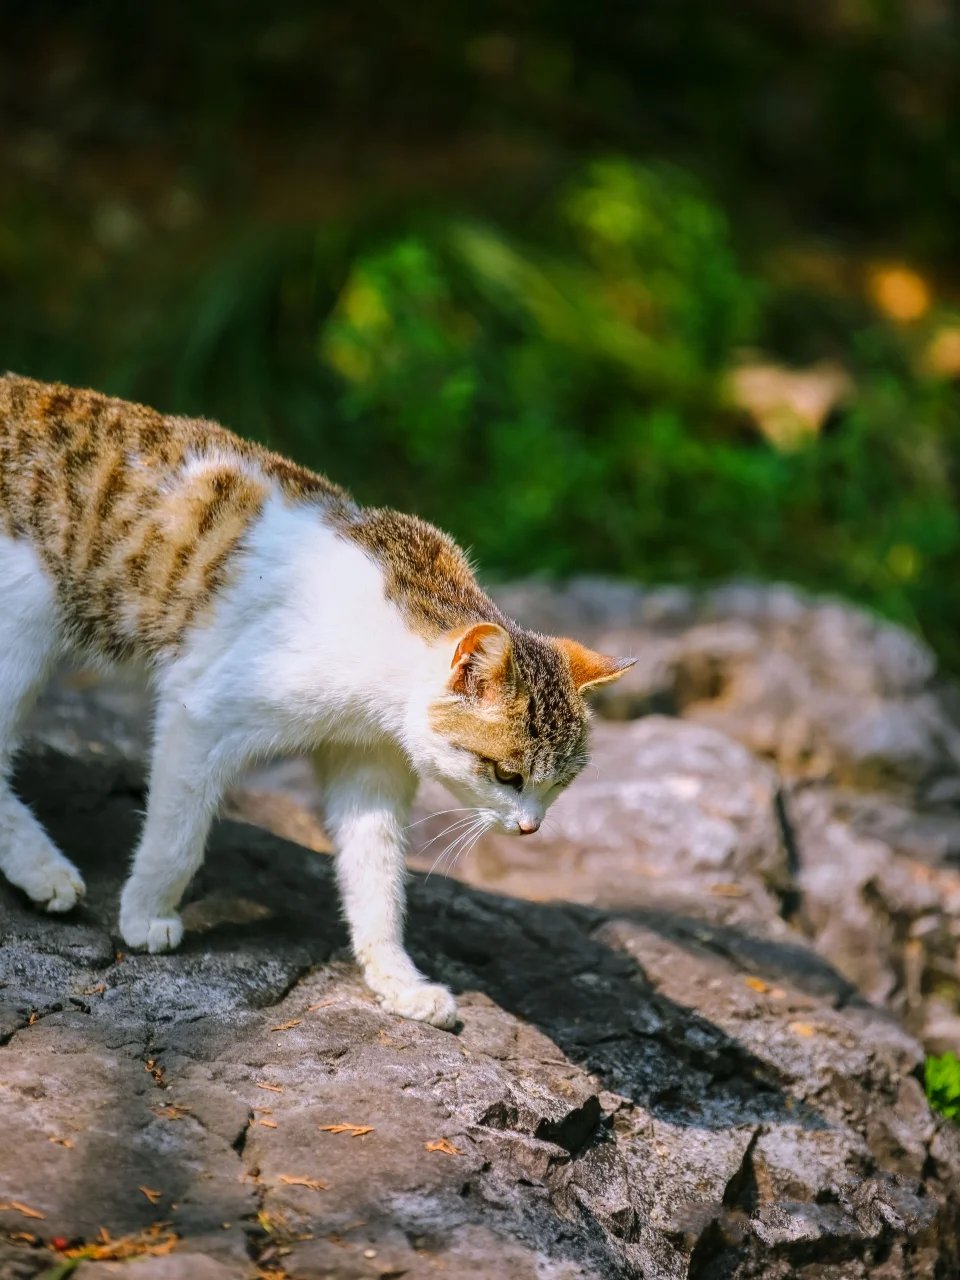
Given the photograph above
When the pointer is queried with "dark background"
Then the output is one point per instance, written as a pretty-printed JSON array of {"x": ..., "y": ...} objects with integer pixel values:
[{"x": 656, "y": 289}]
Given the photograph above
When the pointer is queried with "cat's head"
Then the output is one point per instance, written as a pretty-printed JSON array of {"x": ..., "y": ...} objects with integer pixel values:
[{"x": 507, "y": 725}]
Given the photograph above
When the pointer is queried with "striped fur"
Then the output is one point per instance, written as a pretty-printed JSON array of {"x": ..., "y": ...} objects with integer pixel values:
[{"x": 273, "y": 613}]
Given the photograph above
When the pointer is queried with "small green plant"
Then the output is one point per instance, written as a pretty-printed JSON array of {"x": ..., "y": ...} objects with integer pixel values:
[{"x": 941, "y": 1080}]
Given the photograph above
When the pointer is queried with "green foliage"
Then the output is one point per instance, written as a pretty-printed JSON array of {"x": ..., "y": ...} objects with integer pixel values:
[
  {"x": 942, "y": 1082},
  {"x": 556, "y": 395}
]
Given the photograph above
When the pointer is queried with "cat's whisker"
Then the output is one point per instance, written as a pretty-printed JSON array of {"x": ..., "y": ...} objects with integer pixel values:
[
  {"x": 453, "y": 826},
  {"x": 460, "y": 834},
  {"x": 466, "y": 840},
  {"x": 439, "y": 814},
  {"x": 466, "y": 848},
  {"x": 484, "y": 827}
]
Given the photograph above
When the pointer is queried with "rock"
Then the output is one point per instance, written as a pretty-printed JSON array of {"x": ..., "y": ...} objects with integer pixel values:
[
  {"x": 865, "y": 736},
  {"x": 662, "y": 802},
  {"x": 669, "y": 1084},
  {"x": 821, "y": 687}
]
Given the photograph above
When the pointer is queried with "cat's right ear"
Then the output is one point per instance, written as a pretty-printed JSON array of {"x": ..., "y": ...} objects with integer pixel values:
[{"x": 482, "y": 661}]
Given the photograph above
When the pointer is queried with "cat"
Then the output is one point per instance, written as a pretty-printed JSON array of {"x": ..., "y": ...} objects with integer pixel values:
[{"x": 272, "y": 614}]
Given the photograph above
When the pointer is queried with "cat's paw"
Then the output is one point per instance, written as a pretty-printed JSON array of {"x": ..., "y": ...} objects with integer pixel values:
[
  {"x": 422, "y": 1001},
  {"x": 151, "y": 933},
  {"x": 54, "y": 885}
]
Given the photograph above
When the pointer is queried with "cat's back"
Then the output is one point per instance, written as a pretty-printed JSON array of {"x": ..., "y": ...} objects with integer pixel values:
[{"x": 133, "y": 513}]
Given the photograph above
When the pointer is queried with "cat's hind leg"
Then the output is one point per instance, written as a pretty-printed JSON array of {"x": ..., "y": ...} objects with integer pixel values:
[{"x": 29, "y": 639}]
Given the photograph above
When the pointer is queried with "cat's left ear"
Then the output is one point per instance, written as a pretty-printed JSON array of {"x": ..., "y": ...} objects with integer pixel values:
[
  {"x": 482, "y": 662},
  {"x": 590, "y": 669}
]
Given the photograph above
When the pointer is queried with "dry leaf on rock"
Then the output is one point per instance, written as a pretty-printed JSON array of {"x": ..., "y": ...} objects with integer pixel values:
[
  {"x": 172, "y": 1111},
  {"x": 156, "y": 1241},
  {"x": 441, "y": 1144},
  {"x": 20, "y": 1207},
  {"x": 312, "y": 1184}
]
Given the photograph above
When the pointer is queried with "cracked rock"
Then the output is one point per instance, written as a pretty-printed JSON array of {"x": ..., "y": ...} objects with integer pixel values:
[{"x": 668, "y": 1083}]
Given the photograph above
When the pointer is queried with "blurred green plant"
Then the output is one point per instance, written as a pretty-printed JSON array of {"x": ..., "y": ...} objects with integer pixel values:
[
  {"x": 941, "y": 1076},
  {"x": 557, "y": 395}
]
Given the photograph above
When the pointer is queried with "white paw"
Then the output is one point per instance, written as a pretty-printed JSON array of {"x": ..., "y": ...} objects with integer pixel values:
[
  {"x": 422, "y": 1001},
  {"x": 152, "y": 933},
  {"x": 56, "y": 886}
]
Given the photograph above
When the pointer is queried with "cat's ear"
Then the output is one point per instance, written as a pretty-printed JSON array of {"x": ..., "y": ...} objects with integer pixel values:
[
  {"x": 590, "y": 669},
  {"x": 482, "y": 662}
]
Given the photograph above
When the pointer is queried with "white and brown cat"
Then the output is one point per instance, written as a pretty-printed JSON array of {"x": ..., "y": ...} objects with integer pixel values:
[{"x": 273, "y": 614}]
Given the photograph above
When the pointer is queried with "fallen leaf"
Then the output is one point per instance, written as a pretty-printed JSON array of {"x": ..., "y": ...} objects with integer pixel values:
[
  {"x": 324, "y": 1004},
  {"x": 441, "y": 1144},
  {"x": 727, "y": 890},
  {"x": 152, "y": 1195},
  {"x": 26, "y": 1236},
  {"x": 355, "y": 1130},
  {"x": 757, "y": 984},
  {"x": 95, "y": 991},
  {"x": 22, "y": 1208},
  {"x": 173, "y": 1111},
  {"x": 34, "y": 1017},
  {"x": 801, "y": 1028},
  {"x": 267, "y": 1122},
  {"x": 287, "y": 1026},
  {"x": 312, "y": 1184},
  {"x": 156, "y": 1070},
  {"x": 274, "y": 1088},
  {"x": 156, "y": 1241},
  {"x": 61, "y": 1142}
]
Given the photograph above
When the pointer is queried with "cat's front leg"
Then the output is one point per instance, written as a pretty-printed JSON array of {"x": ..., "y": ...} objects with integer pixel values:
[
  {"x": 185, "y": 785},
  {"x": 367, "y": 794}
]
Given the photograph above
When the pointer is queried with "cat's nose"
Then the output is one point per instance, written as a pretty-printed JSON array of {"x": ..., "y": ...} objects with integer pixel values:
[{"x": 527, "y": 826}]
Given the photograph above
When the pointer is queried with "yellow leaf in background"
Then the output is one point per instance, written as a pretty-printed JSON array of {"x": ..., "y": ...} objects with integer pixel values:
[
  {"x": 789, "y": 406},
  {"x": 942, "y": 356},
  {"x": 312, "y": 1184},
  {"x": 355, "y": 1130},
  {"x": 899, "y": 292},
  {"x": 287, "y": 1026},
  {"x": 151, "y": 1194},
  {"x": 801, "y": 1028},
  {"x": 274, "y": 1088},
  {"x": 267, "y": 1122}
]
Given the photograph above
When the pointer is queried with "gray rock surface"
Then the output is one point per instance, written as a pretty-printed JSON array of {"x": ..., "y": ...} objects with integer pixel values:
[
  {"x": 647, "y": 1089},
  {"x": 864, "y": 733},
  {"x": 689, "y": 1006}
]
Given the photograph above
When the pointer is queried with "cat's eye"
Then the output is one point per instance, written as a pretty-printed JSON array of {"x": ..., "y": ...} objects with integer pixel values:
[{"x": 508, "y": 777}]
